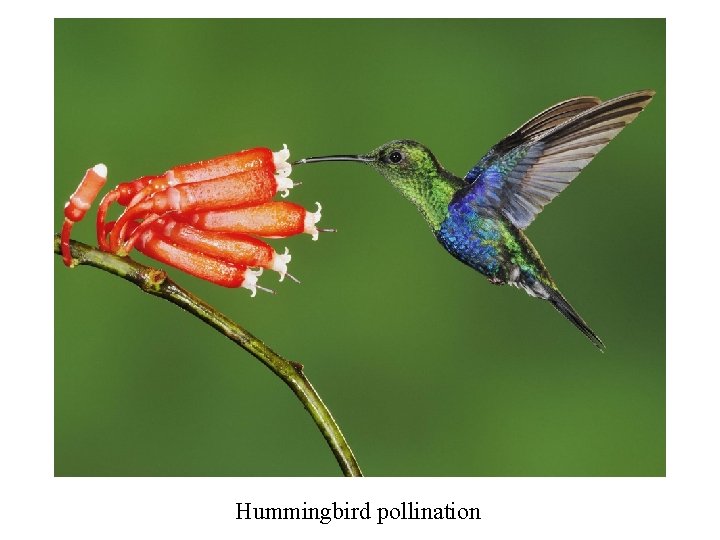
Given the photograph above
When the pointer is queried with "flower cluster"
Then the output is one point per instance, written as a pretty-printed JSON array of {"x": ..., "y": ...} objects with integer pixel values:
[{"x": 205, "y": 218}]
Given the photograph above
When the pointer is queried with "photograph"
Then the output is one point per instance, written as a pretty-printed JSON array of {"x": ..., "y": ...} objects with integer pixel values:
[{"x": 359, "y": 247}]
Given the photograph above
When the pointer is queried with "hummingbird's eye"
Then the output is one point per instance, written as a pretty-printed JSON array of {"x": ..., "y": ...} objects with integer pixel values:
[{"x": 395, "y": 157}]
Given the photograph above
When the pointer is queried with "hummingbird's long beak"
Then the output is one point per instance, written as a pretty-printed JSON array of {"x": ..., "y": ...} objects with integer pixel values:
[{"x": 362, "y": 159}]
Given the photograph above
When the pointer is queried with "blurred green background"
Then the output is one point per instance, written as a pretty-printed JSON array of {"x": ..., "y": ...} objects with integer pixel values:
[{"x": 429, "y": 370}]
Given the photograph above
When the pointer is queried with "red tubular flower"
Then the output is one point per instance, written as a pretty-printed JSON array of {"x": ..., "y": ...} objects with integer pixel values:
[
  {"x": 197, "y": 263},
  {"x": 238, "y": 249},
  {"x": 271, "y": 220},
  {"x": 79, "y": 203}
]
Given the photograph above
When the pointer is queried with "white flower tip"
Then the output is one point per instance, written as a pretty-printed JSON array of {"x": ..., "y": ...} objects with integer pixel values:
[
  {"x": 279, "y": 263},
  {"x": 250, "y": 280},
  {"x": 311, "y": 219},
  {"x": 284, "y": 185},
  {"x": 280, "y": 160},
  {"x": 100, "y": 169}
]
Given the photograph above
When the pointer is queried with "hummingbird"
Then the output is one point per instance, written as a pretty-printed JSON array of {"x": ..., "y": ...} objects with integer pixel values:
[{"x": 480, "y": 219}]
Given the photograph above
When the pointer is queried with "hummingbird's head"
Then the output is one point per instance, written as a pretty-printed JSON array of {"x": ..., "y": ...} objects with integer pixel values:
[
  {"x": 413, "y": 170},
  {"x": 403, "y": 163}
]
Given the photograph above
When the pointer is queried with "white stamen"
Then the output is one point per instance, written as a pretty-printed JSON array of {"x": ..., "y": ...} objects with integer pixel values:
[
  {"x": 170, "y": 178},
  {"x": 144, "y": 238},
  {"x": 136, "y": 199},
  {"x": 279, "y": 263},
  {"x": 173, "y": 198},
  {"x": 79, "y": 203},
  {"x": 311, "y": 218},
  {"x": 169, "y": 226},
  {"x": 284, "y": 185},
  {"x": 250, "y": 280},
  {"x": 280, "y": 160},
  {"x": 100, "y": 169}
]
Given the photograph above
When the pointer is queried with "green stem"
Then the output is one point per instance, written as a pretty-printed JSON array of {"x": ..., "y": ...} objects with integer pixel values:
[{"x": 157, "y": 283}]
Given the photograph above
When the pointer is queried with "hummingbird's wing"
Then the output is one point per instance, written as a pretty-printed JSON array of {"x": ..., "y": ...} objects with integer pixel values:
[
  {"x": 532, "y": 165},
  {"x": 548, "y": 119}
]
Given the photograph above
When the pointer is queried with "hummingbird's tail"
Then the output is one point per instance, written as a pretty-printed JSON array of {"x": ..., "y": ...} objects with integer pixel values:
[{"x": 563, "y": 306}]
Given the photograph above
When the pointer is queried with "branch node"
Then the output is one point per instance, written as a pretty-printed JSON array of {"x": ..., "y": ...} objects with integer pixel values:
[
  {"x": 297, "y": 366},
  {"x": 153, "y": 279}
]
